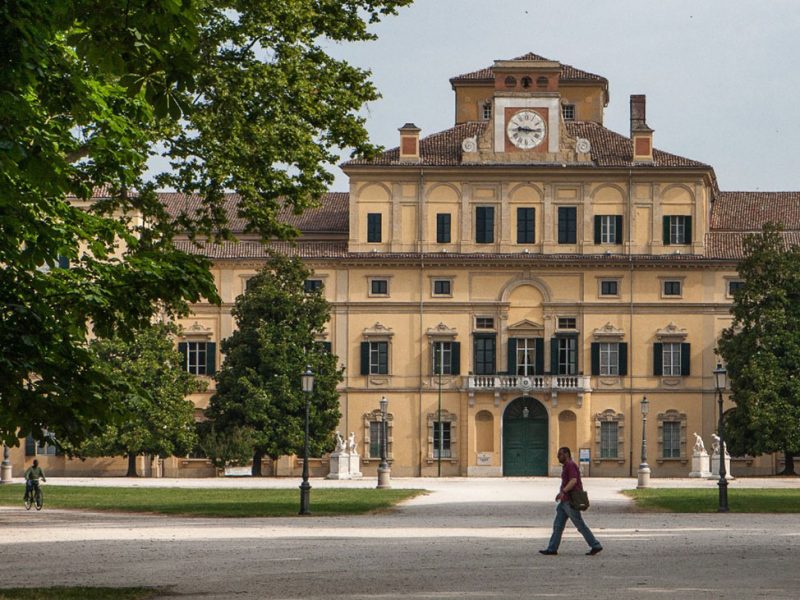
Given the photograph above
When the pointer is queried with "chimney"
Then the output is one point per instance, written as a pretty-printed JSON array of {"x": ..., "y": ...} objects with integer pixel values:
[
  {"x": 409, "y": 143},
  {"x": 641, "y": 134}
]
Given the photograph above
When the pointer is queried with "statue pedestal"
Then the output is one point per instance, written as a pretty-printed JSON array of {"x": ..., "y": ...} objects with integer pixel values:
[
  {"x": 700, "y": 465},
  {"x": 715, "y": 466},
  {"x": 355, "y": 466},
  {"x": 339, "y": 466}
]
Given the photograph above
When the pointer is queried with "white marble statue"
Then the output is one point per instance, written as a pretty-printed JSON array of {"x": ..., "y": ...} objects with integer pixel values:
[
  {"x": 351, "y": 443},
  {"x": 715, "y": 443},
  {"x": 340, "y": 447},
  {"x": 699, "y": 446}
]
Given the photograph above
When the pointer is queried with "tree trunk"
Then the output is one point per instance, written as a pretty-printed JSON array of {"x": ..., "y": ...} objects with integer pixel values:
[
  {"x": 788, "y": 463},
  {"x": 256, "y": 470},
  {"x": 131, "y": 465}
]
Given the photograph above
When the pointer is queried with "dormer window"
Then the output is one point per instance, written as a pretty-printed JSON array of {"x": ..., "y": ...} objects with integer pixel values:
[
  {"x": 527, "y": 82},
  {"x": 510, "y": 82},
  {"x": 568, "y": 112},
  {"x": 486, "y": 111}
]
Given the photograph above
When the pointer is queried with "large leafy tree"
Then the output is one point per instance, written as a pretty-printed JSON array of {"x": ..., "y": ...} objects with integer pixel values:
[
  {"x": 237, "y": 94},
  {"x": 762, "y": 350},
  {"x": 150, "y": 397},
  {"x": 258, "y": 385}
]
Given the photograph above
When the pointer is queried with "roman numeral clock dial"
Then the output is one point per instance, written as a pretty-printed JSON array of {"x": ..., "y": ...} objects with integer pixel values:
[{"x": 526, "y": 129}]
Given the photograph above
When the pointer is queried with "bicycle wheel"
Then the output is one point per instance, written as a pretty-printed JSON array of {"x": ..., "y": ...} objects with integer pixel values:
[
  {"x": 39, "y": 499},
  {"x": 28, "y": 502}
]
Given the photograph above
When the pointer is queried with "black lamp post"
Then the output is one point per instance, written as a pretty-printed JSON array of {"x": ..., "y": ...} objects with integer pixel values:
[
  {"x": 307, "y": 379},
  {"x": 720, "y": 382},
  {"x": 383, "y": 468},
  {"x": 644, "y": 469}
]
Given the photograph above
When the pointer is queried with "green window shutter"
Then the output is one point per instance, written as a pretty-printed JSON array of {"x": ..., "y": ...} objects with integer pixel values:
[
  {"x": 665, "y": 228},
  {"x": 658, "y": 359},
  {"x": 618, "y": 220},
  {"x": 365, "y": 358},
  {"x": 533, "y": 226},
  {"x": 597, "y": 229},
  {"x": 595, "y": 358},
  {"x": 623, "y": 358},
  {"x": 688, "y": 230},
  {"x": 512, "y": 356},
  {"x": 183, "y": 348},
  {"x": 211, "y": 358},
  {"x": 686, "y": 355},
  {"x": 539, "y": 346},
  {"x": 455, "y": 358},
  {"x": 554, "y": 356}
]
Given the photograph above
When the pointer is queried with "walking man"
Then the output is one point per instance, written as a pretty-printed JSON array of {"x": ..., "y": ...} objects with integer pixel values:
[{"x": 570, "y": 480}]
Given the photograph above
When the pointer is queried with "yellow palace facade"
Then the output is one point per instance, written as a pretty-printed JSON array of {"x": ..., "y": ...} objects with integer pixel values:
[{"x": 557, "y": 272}]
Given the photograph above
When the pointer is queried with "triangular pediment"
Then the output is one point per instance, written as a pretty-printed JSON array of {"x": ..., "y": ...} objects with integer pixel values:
[{"x": 526, "y": 326}]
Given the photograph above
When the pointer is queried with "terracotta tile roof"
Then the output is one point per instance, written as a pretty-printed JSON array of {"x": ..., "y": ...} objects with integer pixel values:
[
  {"x": 749, "y": 211},
  {"x": 609, "y": 149},
  {"x": 255, "y": 249},
  {"x": 330, "y": 217},
  {"x": 729, "y": 244},
  {"x": 568, "y": 72}
]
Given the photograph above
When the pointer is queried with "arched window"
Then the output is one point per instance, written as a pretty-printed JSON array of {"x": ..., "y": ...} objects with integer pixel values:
[{"x": 510, "y": 82}]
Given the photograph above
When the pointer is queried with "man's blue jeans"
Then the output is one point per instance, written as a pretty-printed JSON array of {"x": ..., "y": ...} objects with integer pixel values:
[{"x": 564, "y": 512}]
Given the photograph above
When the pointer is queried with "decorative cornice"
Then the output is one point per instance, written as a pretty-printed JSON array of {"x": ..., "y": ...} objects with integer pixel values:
[
  {"x": 195, "y": 330},
  {"x": 608, "y": 331},
  {"x": 671, "y": 331},
  {"x": 441, "y": 331},
  {"x": 378, "y": 330}
]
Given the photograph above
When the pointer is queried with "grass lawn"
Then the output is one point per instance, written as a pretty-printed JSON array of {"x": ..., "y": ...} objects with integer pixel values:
[
  {"x": 77, "y": 593},
  {"x": 212, "y": 502},
  {"x": 707, "y": 500}
]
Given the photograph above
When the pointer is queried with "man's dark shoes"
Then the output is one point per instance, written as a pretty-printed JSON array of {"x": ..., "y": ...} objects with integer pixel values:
[
  {"x": 549, "y": 552},
  {"x": 594, "y": 551}
]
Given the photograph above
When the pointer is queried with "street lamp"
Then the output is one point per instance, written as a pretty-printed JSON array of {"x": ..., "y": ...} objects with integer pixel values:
[
  {"x": 383, "y": 469},
  {"x": 644, "y": 469},
  {"x": 307, "y": 379},
  {"x": 721, "y": 382}
]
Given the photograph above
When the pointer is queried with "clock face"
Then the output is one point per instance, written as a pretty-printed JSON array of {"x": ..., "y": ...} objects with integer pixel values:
[{"x": 526, "y": 129}]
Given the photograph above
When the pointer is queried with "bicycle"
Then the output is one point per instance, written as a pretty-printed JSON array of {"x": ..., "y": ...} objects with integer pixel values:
[{"x": 35, "y": 497}]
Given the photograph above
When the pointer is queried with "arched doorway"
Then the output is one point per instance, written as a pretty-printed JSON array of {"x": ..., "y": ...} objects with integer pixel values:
[{"x": 525, "y": 438}]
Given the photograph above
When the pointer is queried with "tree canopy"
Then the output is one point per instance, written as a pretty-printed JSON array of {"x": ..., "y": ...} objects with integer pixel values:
[
  {"x": 258, "y": 385},
  {"x": 150, "y": 397},
  {"x": 237, "y": 94},
  {"x": 761, "y": 349}
]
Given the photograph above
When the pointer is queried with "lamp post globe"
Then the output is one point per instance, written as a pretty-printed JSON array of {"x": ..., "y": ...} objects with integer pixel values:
[
  {"x": 643, "y": 474},
  {"x": 720, "y": 383},
  {"x": 307, "y": 383}
]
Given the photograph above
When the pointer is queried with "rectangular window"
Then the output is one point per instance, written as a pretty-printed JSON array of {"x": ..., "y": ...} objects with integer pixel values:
[
  {"x": 441, "y": 287},
  {"x": 442, "y": 355},
  {"x": 485, "y": 351},
  {"x": 568, "y": 112},
  {"x": 443, "y": 228},
  {"x": 609, "y": 439},
  {"x": 312, "y": 285},
  {"x": 486, "y": 111},
  {"x": 441, "y": 439},
  {"x": 526, "y": 356},
  {"x": 484, "y": 225},
  {"x": 609, "y": 287},
  {"x": 378, "y": 358},
  {"x": 484, "y": 323},
  {"x": 677, "y": 229},
  {"x": 566, "y": 323},
  {"x": 196, "y": 359},
  {"x": 734, "y": 286},
  {"x": 671, "y": 435},
  {"x": 609, "y": 358},
  {"x": 671, "y": 353},
  {"x": 379, "y": 287},
  {"x": 374, "y": 439},
  {"x": 525, "y": 226},
  {"x": 567, "y": 356},
  {"x": 567, "y": 224},
  {"x": 374, "y": 227},
  {"x": 672, "y": 288}
]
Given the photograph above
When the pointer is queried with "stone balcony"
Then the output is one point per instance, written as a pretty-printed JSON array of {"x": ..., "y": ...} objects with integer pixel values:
[{"x": 528, "y": 384}]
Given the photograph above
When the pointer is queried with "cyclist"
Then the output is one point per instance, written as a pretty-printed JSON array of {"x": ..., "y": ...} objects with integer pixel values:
[{"x": 32, "y": 477}]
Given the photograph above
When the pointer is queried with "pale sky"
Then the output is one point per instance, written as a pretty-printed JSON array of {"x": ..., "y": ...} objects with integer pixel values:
[{"x": 721, "y": 77}]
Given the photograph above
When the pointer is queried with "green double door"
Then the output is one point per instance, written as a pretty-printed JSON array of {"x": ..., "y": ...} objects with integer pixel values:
[{"x": 525, "y": 438}]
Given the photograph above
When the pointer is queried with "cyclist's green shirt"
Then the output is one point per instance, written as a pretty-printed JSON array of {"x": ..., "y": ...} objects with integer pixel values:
[{"x": 34, "y": 473}]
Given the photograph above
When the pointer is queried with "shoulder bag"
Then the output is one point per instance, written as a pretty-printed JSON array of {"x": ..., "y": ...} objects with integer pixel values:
[{"x": 579, "y": 499}]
